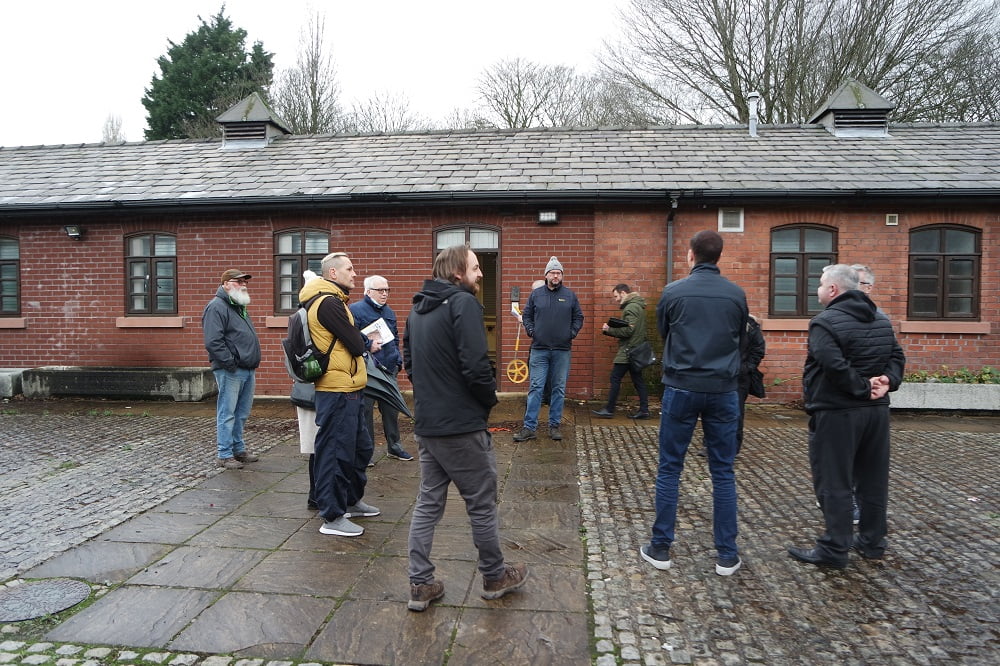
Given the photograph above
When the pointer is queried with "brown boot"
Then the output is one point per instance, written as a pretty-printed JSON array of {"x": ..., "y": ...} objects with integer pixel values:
[
  {"x": 512, "y": 579},
  {"x": 422, "y": 595}
]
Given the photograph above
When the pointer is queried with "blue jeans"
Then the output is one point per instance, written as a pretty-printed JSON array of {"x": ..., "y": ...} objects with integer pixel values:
[
  {"x": 551, "y": 365},
  {"x": 232, "y": 409},
  {"x": 720, "y": 413}
]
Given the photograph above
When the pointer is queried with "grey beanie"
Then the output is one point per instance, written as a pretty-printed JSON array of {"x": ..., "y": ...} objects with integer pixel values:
[{"x": 553, "y": 265}]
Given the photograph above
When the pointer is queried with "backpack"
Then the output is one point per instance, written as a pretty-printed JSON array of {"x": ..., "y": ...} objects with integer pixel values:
[{"x": 303, "y": 361}]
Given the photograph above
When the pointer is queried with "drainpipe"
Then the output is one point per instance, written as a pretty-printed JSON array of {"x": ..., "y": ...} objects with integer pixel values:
[{"x": 670, "y": 237}]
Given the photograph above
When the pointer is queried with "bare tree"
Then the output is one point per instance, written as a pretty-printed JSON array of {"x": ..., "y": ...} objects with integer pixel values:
[
  {"x": 307, "y": 96},
  {"x": 385, "y": 112},
  {"x": 517, "y": 92},
  {"x": 700, "y": 60},
  {"x": 112, "y": 131}
]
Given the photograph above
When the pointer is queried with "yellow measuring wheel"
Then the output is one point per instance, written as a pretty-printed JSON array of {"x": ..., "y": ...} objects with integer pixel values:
[{"x": 517, "y": 370}]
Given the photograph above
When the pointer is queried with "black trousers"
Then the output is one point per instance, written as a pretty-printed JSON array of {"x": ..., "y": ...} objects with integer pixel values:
[
  {"x": 849, "y": 453},
  {"x": 618, "y": 371}
]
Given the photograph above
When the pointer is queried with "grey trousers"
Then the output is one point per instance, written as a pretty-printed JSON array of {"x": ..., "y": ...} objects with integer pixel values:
[{"x": 470, "y": 463}]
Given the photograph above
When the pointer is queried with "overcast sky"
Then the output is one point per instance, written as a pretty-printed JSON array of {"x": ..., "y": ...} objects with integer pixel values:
[{"x": 66, "y": 65}]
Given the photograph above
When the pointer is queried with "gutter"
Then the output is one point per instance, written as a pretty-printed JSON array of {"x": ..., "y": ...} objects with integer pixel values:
[{"x": 487, "y": 198}]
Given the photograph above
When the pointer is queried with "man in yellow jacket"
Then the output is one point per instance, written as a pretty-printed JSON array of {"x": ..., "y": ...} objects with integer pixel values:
[{"x": 343, "y": 443}]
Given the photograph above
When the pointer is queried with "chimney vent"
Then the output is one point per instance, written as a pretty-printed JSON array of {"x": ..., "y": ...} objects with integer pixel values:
[{"x": 753, "y": 102}]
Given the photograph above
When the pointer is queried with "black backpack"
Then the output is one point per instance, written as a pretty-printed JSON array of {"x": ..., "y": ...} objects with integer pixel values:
[{"x": 303, "y": 361}]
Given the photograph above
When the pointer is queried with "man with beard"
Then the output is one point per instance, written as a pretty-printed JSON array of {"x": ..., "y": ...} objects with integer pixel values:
[
  {"x": 446, "y": 358},
  {"x": 552, "y": 318},
  {"x": 234, "y": 352},
  {"x": 343, "y": 445}
]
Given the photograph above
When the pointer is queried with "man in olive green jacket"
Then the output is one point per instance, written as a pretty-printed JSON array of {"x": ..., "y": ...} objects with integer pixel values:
[{"x": 629, "y": 335}]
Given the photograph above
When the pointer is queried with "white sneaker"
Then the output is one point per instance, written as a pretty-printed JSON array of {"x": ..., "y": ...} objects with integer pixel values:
[
  {"x": 362, "y": 510},
  {"x": 342, "y": 527},
  {"x": 728, "y": 570}
]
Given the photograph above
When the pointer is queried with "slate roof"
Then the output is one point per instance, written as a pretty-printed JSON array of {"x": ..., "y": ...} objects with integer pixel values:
[{"x": 536, "y": 164}]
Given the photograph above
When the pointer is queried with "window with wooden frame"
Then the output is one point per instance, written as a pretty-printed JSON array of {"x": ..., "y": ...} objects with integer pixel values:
[
  {"x": 798, "y": 254},
  {"x": 294, "y": 252},
  {"x": 944, "y": 275},
  {"x": 10, "y": 277},
  {"x": 151, "y": 274}
]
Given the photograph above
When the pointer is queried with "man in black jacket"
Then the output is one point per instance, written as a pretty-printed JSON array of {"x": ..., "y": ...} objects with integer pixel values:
[
  {"x": 446, "y": 358},
  {"x": 701, "y": 319},
  {"x": 852, "y": 363}
]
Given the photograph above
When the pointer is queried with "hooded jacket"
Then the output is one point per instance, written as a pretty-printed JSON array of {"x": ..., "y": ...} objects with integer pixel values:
[
  {"x": 701, "y": 319},
  {"x": 330, "y": 320},
  {"x": 230, "y": 338},
  {"x": 848, "y": 344},
  {"x": 552, "y": 317},
  {"x": 446, "y": 359},
  {"x": 633, "y": 307}
]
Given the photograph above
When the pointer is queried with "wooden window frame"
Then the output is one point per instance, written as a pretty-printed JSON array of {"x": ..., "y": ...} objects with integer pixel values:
[
  {"x": 16, "y": 263},
  {"x": 286, "y": 286},
  {"x": 151, "y": 290},
  {"x": 944, "y": 259},
  {"x": 805, "y": 281}
]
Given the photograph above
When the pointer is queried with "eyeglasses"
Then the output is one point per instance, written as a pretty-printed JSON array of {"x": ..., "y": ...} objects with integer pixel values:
[
  {"x": 865, "y": 284},
  {"x": 239, "y": 282},
  {"x": 382, "y": 290}
]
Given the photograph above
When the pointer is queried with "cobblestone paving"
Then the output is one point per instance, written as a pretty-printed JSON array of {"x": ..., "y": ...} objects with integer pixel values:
[
  {"x": 48, "y": 498},
  {"x": 933, "y": 600}
]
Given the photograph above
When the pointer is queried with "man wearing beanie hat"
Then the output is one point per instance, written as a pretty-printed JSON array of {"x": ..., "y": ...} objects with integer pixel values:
[
  {"x": 234, "y": 352},
  {"x": 551, "y": 318}
]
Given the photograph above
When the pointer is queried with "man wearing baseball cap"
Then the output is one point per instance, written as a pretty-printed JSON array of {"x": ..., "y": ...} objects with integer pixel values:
[{"x": 234, "y": 352}]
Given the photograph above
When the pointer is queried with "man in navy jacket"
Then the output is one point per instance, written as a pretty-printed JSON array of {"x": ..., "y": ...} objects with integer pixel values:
[
  {"x": 701, "y": 319},
  {"x": 368, "y": 310},
  {"x": 552, "y": 318}
]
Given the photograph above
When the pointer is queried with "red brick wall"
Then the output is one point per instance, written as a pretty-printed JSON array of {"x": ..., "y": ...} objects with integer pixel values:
[{"x": 73, "y": 292}]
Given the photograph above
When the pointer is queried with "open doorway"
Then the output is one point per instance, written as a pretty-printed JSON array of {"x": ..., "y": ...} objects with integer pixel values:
[{"x": 485, "y": 242}]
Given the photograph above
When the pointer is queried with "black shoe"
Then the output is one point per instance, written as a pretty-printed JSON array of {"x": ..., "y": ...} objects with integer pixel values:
[
  {"x": 812, "y": 556},
  {"x": 867, "y": 554},
  {"x": 602, "y": 413},
  {"x": 639, "y": 416},
  {"x": 311, "y": 505},
  {"x": 524, "y": 434},
  {"x": 555, "y": 433}
]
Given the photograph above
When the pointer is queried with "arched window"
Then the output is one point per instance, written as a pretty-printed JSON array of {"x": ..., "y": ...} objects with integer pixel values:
[
  {"x": 10, "y": 277},
  {"x": 944, "y": 272},
  {"x": 294, "y": 252},
  {"x": 151, "y": 274},
  {"x": 798, "y": 255}
]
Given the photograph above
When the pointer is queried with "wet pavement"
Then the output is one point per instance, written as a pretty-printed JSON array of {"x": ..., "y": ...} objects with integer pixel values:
[{"x": 188, "y": 564}]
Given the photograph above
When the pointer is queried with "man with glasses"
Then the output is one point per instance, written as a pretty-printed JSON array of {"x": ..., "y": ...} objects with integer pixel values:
[
  {"x": 372, "y": 307},
  {"x": 234, "y": 352}
]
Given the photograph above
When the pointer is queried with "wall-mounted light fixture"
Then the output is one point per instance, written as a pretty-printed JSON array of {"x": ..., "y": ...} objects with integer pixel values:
[
  {"x": 74, "y": 231},
  {"x": 548, "y": 217}
]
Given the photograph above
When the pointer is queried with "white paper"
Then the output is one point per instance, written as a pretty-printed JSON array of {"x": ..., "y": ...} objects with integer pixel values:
[{"x": 379, "y": 332}]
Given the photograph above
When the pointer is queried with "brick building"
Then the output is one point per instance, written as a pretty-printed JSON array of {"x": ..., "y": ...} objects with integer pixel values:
[{"x": 108, "y": 253}]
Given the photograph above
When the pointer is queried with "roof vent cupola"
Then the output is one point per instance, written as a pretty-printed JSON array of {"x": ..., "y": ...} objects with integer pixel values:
[
  {"x": 855, "y": 110},
  {"x": 250, "y": 124}
]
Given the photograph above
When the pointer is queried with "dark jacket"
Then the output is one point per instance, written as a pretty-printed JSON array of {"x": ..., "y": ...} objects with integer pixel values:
[
  {"x": 552, "y": 317},
  {"x": 633, "y": 309},
  {"x": 752, "y": 351},
  {"x": 367, "y": 311},
  {"x": 848, "y": 344},
  {"x": 701, "y": 319},
  {"x": 230, "y": 338},
  {"x": 447, "y": 361}
]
